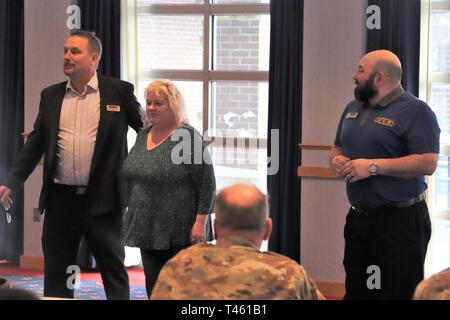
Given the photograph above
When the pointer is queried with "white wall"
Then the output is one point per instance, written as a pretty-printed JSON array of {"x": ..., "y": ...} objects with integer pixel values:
[
  {"x": 333, "y": 44},
  {"x": 45, "y": 34}
]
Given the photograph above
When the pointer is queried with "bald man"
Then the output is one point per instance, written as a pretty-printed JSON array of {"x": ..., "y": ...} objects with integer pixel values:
[
  {"x": 436, "y": 287},
  {"x": 235, "y": 268},
  {"x": 386, "y": 142}
]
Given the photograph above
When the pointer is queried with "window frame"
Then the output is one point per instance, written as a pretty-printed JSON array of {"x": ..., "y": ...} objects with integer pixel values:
[
  {"x": 437, "y": 251},
  {"x": 427, "y": 79},
  {"x": 206, "y": 75}
]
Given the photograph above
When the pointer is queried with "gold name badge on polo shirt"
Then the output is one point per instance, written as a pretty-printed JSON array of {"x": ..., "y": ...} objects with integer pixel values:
[
  {"x": 352, "y": 115},
  {"x": 113, "y": 108},
  {"x": 385, "y": 122}
]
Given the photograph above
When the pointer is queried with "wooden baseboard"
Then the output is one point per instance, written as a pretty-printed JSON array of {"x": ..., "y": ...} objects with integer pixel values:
[
  {"x": 335, "y": 289},
  {"x": 30, "y": 262},
  {"x": 316, "y": 172}
]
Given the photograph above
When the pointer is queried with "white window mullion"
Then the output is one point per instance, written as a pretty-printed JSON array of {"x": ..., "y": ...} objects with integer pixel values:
[
  {"x": 440, "y": 77},
  {"x": 128, "y": 38},
  {"x": 207, "y": 62},
  {"x": 440, "y": 5}
]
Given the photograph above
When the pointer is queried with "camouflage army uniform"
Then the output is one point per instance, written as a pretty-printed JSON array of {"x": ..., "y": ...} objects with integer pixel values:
[{"x": 235, "y": 269}]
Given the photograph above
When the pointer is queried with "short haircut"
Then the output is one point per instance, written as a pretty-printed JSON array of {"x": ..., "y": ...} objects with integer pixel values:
[
  {"x": 436, "y": 287},
  {"x": 248, "y": 216},
  {"x": 390, "y": 69},
  {"x": 168, "y": 90},
  {"x": 95, "y": 44}
]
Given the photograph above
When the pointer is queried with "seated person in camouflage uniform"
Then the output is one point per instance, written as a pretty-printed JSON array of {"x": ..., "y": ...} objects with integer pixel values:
[
  {"x": 235, "y": 268},
  {"x": 436, "y": 287}
]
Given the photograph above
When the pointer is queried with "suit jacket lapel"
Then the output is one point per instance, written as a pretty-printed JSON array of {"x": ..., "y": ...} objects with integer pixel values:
[{"x": 106, "y": 118}]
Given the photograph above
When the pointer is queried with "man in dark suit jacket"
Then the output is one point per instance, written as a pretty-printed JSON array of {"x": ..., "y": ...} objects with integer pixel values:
[{"x": 81, "y": 129}]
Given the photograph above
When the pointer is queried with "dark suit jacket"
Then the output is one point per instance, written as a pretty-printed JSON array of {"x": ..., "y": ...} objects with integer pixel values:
[{"x": 107, "y": 191}]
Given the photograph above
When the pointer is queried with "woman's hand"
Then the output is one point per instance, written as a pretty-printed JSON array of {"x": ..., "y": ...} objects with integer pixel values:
[{"x": 198, "y": 232}]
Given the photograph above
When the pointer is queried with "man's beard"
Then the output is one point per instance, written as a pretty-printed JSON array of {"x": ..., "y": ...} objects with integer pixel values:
[{"x": 367, "y": 91}]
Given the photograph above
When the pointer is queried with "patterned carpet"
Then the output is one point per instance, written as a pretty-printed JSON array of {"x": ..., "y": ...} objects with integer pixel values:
[
  {"x": 86, "y": 290},
  {"x": 90, "y": 287}
]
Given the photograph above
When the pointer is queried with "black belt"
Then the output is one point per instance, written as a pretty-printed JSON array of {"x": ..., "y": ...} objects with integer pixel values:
[
  {"x": 79, "y": 190},
  {"x": 397, "y": 205}
]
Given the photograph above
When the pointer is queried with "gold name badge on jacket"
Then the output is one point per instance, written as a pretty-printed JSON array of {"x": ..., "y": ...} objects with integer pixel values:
[{"x": 113, "y": 108}]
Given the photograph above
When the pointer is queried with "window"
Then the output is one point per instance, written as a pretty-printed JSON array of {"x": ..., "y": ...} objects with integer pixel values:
[
  {"x": 435, "y": 89},
  {"x": 217, "y": 53}
]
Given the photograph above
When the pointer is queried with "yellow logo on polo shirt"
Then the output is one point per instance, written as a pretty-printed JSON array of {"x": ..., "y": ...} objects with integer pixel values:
[{"x": 385, "y": 122}]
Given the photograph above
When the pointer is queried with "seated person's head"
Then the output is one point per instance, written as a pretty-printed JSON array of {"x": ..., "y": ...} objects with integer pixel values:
[
  {"x": 436, "y": 287},
  {"x": 242, "y": 210},
  {"x": 4, "y": 283},
  {"x": 234, "y": 268},
  {"x": 16, "y": 294},
  {"x": 7, "y": 292}
]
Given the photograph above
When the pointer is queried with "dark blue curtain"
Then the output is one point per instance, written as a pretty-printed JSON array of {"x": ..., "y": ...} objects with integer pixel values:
[
  {"x": 285, "y": 115},
  {"x": 11, "y": 118},
  {"x": 103, "y": 18},
  {"x": 399, "y": 33}
]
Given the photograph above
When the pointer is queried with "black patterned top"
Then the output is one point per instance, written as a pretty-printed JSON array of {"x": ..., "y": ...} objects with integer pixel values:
[{"x": 169, "y": 185}]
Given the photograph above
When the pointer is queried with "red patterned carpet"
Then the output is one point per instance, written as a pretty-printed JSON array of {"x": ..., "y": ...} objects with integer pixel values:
[
  {"x": 136, "y": 275},
  {"x": 90, "y": 288}
]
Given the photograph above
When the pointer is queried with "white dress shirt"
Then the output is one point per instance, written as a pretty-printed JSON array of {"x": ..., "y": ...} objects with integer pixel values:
[{"x": 78, "y": 125}]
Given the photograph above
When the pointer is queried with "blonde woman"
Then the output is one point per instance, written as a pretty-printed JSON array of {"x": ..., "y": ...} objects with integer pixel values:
[{"x": 170, "y": 199}]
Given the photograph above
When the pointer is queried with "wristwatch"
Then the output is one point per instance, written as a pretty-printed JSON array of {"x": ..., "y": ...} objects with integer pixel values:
[{"x": 373, "y": 168}]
